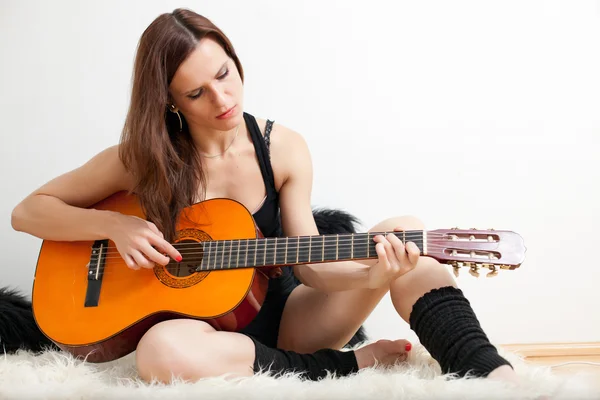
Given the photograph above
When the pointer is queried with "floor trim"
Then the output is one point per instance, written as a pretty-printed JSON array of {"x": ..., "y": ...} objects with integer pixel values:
[{"x": 536, "y": 350}]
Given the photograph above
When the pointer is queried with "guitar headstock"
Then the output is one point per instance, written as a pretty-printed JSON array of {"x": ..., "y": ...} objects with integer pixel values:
[{"x": 476, "y": 249}]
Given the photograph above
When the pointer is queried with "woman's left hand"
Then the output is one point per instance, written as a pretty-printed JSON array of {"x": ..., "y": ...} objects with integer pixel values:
[{"x": 394, "y": 259}]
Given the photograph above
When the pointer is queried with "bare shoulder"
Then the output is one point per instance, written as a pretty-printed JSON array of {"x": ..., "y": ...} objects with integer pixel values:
[{"x": 289, "y": 152}]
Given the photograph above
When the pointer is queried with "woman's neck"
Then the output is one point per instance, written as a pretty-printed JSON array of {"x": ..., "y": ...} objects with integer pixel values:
[{"x": 214, "y": 143}]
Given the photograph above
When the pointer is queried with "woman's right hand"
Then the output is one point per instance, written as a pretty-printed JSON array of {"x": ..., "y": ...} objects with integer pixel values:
[{"x": 140, "y": 243}]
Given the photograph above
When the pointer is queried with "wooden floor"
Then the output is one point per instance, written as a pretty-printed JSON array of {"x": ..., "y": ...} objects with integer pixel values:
[
  {"x": 554, "y": 354},
  {"x": 577, "y": 366}
]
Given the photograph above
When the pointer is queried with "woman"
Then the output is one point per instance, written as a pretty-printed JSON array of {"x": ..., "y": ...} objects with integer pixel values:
[{"x": 186, "y": 138}]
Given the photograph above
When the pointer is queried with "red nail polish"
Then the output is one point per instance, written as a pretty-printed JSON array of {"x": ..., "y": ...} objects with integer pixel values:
[
  {"x": 408, "y": 347},
  {"x": 179, "y": 258}
]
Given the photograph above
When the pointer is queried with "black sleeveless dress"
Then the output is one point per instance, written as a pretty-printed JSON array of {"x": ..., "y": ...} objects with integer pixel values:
[{"x": 265, "y": 327}]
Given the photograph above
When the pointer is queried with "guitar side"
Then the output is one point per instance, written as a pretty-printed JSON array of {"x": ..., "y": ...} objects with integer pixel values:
[{"x": 130, "y": 302}]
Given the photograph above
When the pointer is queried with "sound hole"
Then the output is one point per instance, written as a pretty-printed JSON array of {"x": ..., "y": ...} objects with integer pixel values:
[{"x": 192, "y": 258}]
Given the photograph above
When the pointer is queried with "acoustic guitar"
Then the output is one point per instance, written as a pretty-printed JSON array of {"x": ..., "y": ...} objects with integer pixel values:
[{"x": 87, "y": 301}]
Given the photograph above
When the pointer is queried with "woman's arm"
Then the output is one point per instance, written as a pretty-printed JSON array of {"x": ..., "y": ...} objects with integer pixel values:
[
  {"x": 290, "y": 153},
  {"x": 57, "y": 210}
]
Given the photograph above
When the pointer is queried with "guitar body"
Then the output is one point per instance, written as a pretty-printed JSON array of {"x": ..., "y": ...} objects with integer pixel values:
[{"x": 129, "y": 302}]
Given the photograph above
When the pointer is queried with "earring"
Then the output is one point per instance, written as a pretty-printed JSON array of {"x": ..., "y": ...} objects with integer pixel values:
[{"x": 174, "y": 110}]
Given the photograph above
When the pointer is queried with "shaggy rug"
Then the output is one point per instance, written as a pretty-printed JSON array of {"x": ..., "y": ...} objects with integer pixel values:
[{"x": 56, "y": 375}]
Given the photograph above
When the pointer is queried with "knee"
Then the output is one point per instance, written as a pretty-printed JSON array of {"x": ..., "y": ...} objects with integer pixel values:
[
  {"x": 428, "y": 274},
  {"x": 160, "y": 354}
]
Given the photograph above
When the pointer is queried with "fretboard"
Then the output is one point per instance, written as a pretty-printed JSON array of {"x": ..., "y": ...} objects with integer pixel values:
[{"x": 280, "y": 251}]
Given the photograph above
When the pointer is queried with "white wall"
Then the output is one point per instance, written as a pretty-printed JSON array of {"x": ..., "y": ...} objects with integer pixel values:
[{"x": 464, "y": 113}]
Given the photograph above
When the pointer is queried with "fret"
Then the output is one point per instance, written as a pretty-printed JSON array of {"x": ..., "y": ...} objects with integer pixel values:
[
  {"x": 204, "y": 256},
  {"x": 417, "y": 238},
  {"x": 215, "y": 254},
  {"x": 237, "y": 257},
  {"x": 291, "y": 251},
  {"x": 230, "y": 250},
  {"x": 316, "y": 243},
  {"x": 246, "y": 258},
  {"x": 231, "y": 253},
  {"x": 272, "y": 247},
  {"x": 367, "y": 243},
  {"x": 420, "y": 241},
  {"x": 222, "y": 253},
  {"x": 208, "y": 257},
  {"x": 344, "y": 248},
  {"x": 371, "y": 245},
  {"x": 259, "y": 254},
  {"x": 303, "y": 250},
  {"x": 252, "y": 250},
  {"x": 352, "y": 246},
  {"x": 224, "y": 263},
  {"x": 209, "y": 260},
  {"x": 266, "y": 248},
  {"x": 309, "y": 248},
  {"x": 329, "y": 252},
  {"x": 360, "y": 248},
  {"x": 279, "y": 256}
]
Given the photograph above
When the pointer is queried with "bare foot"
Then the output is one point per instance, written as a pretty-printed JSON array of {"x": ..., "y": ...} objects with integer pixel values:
[{"x": 384, "y": 352}]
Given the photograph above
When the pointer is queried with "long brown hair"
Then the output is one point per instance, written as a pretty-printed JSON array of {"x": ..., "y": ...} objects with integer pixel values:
[{"x": 162, "y": 158}]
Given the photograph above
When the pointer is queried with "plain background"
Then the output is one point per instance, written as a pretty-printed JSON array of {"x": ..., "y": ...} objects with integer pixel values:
[{"x": 465, "y": 113}]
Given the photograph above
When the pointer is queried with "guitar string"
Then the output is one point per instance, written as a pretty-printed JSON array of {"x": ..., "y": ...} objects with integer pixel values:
[
  {"x": 212, "y": 262},
  {"x": 270, "y": 249},
  {"x": 174, "y": 268},
  {"x": 195, "y": 270},
  {"x": 341, "y": 238}
]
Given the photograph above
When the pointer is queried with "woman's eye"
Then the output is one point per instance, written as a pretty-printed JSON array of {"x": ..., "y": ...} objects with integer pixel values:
[
  {"x": 196, "y": 95},
  {"x": 224, "y": 75}
]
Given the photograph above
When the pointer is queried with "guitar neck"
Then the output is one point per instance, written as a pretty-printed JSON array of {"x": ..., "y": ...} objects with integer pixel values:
[{"x": 280, "y": 251}]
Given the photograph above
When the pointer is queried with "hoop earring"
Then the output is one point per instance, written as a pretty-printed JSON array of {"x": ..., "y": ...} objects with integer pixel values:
[{"x": 172, "y": 109}]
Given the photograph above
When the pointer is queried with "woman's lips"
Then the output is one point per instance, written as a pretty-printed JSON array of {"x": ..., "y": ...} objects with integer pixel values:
[{"x": 227, "y": 114}]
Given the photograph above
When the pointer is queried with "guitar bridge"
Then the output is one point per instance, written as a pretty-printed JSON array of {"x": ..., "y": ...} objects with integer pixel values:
[{"x": 95, "y": 273}]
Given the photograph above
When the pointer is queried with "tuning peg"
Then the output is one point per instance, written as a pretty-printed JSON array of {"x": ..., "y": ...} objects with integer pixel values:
[
  {"x": 474, "y": 270},
  {"x": 492, "y": 273},
  {"x": 456, "y": 271}
]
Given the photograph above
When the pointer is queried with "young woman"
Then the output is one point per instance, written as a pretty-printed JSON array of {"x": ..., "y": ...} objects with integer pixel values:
[{"x": 186, "y": 139}]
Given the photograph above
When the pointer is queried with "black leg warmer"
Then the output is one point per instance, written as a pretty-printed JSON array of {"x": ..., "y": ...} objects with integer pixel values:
[
  {"x": 448, "y": 328},
  {"x": 311, "y": 366}
]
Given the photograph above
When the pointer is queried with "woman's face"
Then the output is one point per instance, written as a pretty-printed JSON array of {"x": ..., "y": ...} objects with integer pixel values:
[{"x": 206, "y": 85}]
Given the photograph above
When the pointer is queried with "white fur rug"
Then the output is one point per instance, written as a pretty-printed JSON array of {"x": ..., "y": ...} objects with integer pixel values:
[{"x": 56, "y": 375}]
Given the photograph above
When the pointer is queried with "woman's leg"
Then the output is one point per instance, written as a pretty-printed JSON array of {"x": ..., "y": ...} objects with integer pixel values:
[
  {"x": 312, "y": 319},
  {"x": 191, "y": 350}
]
